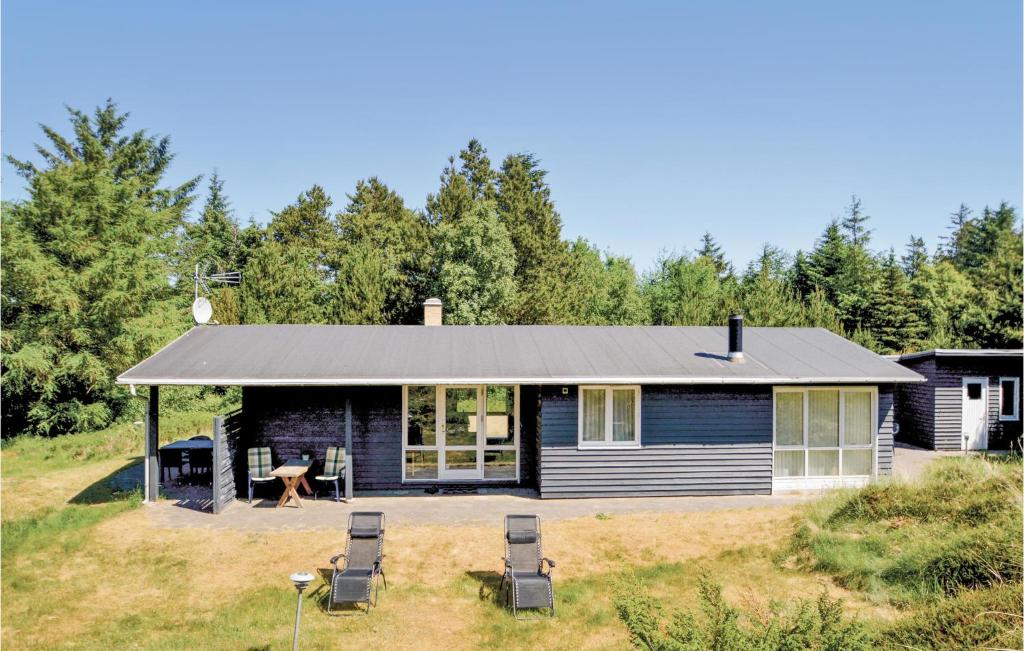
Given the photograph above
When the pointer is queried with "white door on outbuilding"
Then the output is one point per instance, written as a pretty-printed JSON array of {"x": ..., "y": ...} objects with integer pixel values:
[{"x": 974, "y": 419}]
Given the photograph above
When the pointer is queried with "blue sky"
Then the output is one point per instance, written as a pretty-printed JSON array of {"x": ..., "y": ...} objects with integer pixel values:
[{"x": 657, "y": 121}]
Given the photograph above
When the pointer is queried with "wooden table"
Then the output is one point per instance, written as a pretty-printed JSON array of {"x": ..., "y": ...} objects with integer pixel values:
[{"x": 292, "y": 473}]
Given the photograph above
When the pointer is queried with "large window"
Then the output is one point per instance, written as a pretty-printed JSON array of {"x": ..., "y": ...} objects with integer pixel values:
[
  {"x": 460, "y": 432},
  {"x": 609, "y": 416},
  {"x": 1009, "y": 398},
  {"x": 826, "y": 432}
]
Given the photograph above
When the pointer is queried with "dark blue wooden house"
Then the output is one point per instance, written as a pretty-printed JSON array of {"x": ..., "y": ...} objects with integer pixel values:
[{"x": 572, "y": 411}]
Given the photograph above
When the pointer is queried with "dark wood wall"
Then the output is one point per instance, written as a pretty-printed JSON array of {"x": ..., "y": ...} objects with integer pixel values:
[
  {"x": 292, "y": 420},
  {"x": 931, "y": 414}
]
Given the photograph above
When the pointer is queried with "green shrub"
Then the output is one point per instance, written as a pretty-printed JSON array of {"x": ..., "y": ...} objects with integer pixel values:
[
  {"x": 973, "y": 619},
  {"x": 974, "y": 558},
  {"x": 722, "y": 627},
  {"x": 956, "y": 528}
]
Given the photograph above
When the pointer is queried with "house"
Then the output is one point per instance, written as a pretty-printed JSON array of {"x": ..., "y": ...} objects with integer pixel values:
[
  {"x": 971, "y": 401},
  {"x": 573, "y": 411}
]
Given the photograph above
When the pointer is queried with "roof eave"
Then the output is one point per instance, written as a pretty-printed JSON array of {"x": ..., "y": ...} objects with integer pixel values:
[{"x": 184, "y": 381}]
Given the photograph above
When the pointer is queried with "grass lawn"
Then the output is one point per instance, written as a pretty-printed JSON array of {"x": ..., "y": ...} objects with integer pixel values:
[{"x": 85, "y": 568}]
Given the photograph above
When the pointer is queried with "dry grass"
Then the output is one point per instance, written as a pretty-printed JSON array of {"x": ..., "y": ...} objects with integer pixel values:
[
  {"x": 121, "y": 581},
  {"x": 127, "y": 573}
]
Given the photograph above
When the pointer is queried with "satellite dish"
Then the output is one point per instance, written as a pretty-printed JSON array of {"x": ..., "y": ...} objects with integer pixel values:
[{"x": 202, "y": 310}]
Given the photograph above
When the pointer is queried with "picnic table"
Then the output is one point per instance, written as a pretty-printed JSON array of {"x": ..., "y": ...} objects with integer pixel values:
[
  {"x": 189, "y": 445},
  {"x": 172, "y": 455},
  {"x": 292, "y": 473}
]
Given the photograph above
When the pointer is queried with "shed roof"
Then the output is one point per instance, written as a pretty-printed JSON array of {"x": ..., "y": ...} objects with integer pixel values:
[
  {"x": 960, "y": 352},
  {"x": 394, "y": 355}
]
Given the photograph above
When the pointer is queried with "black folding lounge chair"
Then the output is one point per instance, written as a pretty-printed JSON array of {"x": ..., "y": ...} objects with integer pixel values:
[
  {"x": 360, "y": 577},
  {"x": 526, "y": 583}
]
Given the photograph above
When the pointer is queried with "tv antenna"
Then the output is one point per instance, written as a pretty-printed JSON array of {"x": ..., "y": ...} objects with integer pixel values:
[{"x": 202, "y": 310}]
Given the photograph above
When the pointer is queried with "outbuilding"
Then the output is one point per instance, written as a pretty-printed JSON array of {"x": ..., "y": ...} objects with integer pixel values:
[
  {"x": 971, "y": 401},
  {"x": 571, "y": 411}
]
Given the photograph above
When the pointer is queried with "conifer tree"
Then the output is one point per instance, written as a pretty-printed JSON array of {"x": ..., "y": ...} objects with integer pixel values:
[
  {"x": 376, "y": 219},
  {"x": 895, "y": 326},
  {"x": 281, "y": 284},
  {"x": 214, "y": 238},
  {"x": 710, "y": 249},
  {"x": 476, "y": 169},
  {"x": 86, "y": 265},
  {"x": 915, "y": 257},
  {"x": 854, "y": 224},
  {"x": 525, "y": 208},
  {"x": 453, "y": 200}
]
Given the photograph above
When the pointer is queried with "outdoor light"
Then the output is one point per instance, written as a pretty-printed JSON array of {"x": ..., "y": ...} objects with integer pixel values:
[{"x": 301, "y": 581}]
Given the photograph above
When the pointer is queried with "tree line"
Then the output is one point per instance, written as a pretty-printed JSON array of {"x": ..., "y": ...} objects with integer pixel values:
[{"x": 97, "y": 268}]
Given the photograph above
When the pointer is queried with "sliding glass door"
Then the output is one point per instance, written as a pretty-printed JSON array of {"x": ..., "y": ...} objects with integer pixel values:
[{"x": 454, "y": 433}]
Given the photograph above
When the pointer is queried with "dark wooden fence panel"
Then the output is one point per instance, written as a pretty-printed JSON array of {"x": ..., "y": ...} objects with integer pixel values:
[{"x": 226, "y": 431}]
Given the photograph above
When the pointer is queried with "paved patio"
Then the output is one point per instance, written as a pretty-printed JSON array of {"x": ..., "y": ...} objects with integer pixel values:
[
  {"x": 182, "y": 510},
  {"x": 485, "y": 509}
]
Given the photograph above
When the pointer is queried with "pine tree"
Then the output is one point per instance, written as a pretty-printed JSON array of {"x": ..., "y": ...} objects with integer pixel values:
[
  {"x": 826, "y": 263},
  {"x": 895, "y": 326},
  {"x": 282, "y": 285},
  {"x": 525, "y": 208},
  {"x": 86, "y": 267},
  {"x": 857, "y": 233},
  {"x": 453, "y": 200},
  {"x": 994, "y": 258},
  {"x": 710, "y": 249},
  {"x": 376, "y": 219},
  {"x": 215, "y": 237},
  {"x": 308, "y": 225},
  {"x": 915, "y": 257},
  {"x": 476, "y": 169},
  {"x": 958, "y": 226},
  {"x": 766, "y": 298}
]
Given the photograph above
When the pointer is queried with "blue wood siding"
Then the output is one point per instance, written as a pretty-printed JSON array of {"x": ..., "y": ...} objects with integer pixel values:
[
  {"x": 886, "y": 427},
  {"x": 694, "y": 441},
  {"x": 931, "y": 414}
]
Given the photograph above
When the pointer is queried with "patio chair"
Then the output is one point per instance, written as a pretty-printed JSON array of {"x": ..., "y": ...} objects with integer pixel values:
[
  {"x": 334, "y": 469},
  {"x": 525, "y": 581},
  {"x": 171, "y": 459},
  {"x": 364, "y": 557},
  {"x": 260, "y": 465},
  {"x": 200, "y": 462}
]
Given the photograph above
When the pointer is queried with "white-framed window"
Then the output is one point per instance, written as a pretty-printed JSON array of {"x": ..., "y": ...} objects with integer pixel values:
[
  {"x": 609, "y": 416},
  {"x": 824, "y": 433},
  {"x": 460, "y": 432},
  {"x": 1009, "y": 398}
]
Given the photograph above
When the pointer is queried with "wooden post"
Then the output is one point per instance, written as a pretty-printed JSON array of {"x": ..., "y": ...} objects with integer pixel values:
[
  {"x": 348, "y": 449},
  {"x": 152, "y": 461},
  {"x": 218, "y": 463}
]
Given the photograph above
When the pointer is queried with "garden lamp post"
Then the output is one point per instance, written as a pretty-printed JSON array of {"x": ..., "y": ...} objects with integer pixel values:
[{"x": 301, "y": 581}]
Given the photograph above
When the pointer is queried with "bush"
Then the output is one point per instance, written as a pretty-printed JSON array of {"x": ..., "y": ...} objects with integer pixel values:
[
  {"x": 721, "y": 627},
  {"x": 956, "y": 528},
  {"x": 972, "y": 619}
]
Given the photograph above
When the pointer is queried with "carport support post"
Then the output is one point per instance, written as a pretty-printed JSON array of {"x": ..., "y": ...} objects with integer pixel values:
[
  {"x": 348, "y": 449},
  {"x": 152, "y": 469}
]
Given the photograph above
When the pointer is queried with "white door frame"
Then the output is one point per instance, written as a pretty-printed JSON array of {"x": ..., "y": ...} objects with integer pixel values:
[
  {"x": 443, "y": 447},
  {"x": 981, "y": 441}
]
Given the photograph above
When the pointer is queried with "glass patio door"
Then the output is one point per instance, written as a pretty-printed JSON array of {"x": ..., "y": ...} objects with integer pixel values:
[{"x": 460, "y": 432}]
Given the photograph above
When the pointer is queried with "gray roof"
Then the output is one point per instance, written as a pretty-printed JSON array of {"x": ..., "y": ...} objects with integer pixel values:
[
  {"x": 960, "y": 352},
  {"x": 394, "y": 355}
]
